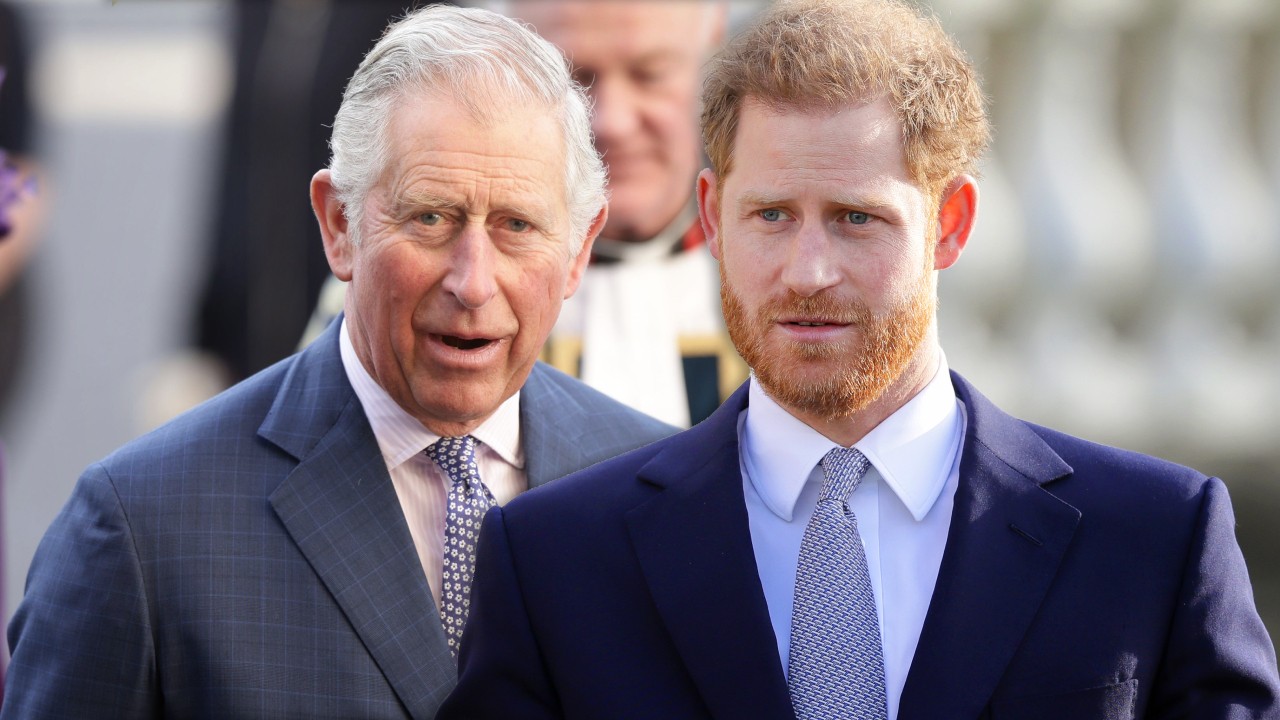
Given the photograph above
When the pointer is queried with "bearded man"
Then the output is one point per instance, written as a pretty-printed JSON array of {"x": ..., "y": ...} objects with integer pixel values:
[{"x": 857, "y": 532}]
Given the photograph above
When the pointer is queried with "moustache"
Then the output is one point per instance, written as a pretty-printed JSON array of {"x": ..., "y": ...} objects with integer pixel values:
[{"x": 823, "y": 306}]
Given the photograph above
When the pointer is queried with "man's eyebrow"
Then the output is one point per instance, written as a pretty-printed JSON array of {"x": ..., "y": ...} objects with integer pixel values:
[
  {"x": 869, "y": 201},
  {"x": 659, "y": 56},
  {"x": 753, "y": 199},
  {"x": 538, "y": 214},
  {"x": 416, "y": 199}
]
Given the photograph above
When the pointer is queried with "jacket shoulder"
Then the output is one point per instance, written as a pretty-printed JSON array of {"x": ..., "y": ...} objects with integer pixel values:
[
  {"x": 600, "y": 406},
  {"x": 595, "y": 426},
  {"x": 1123, "y": 469},
  {"x": 1078, "y": 470},
  {"x": 222, "y": 431}
]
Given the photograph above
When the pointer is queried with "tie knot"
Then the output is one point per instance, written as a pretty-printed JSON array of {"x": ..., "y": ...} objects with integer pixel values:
[
  {"x": 457, "y": 457},
  {"x": 843, "y": 469}
]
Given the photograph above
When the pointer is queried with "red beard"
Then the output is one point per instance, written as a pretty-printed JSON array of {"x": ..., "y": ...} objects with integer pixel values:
[{"x": 829, "y": 380}]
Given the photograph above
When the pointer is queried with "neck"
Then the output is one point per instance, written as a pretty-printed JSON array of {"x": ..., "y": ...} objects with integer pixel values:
[{"x": 676, "y": 224}]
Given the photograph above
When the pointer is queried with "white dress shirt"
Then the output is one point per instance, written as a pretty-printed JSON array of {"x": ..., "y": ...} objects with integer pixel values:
[
  {"x": 633, "y": 318},
  {"x": 423, "y": 488},
  {"x": 903, "y": 506}
]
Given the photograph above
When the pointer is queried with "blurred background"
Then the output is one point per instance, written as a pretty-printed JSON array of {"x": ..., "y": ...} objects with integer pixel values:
[{"x": 1121, "y": 284}]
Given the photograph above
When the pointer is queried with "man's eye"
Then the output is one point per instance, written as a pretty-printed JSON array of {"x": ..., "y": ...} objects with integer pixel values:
[
  {"x": 516, "y": 225},
  {"x": 430, "y": 218},
  {"x": 858, "y": 218},
  {"x": 771, "y": 215},
  {"x": 648, "y": 76}
]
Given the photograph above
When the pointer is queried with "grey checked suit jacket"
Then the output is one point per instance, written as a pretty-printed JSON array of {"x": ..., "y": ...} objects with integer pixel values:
[{"x": 251, "y": 559}]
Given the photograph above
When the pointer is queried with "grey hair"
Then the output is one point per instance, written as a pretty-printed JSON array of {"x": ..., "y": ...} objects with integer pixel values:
[{"x": 482, "y": 61}]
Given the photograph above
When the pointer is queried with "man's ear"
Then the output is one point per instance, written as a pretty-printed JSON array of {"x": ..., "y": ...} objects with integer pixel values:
[
  {"x": 579, "y": 264},
  {"x": 709, "y": 209},
  {"x": 333, "y": 225},
  {"x": 957, "y": 213}
]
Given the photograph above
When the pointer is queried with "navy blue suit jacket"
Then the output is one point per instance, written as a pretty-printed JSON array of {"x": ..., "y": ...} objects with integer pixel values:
[
  {"x": 251, "y": 559},
  {"x": 1078, "y": 582}
]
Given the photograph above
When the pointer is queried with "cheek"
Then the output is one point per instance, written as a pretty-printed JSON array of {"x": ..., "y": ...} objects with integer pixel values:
[
  {"x": 674, "y": 118},
  {"x": 898, "y": 284},
  {"x": 750, "y": 279},
  {"x": 407, "y": 277},
  {"x": 747, "y": 256},
  {"x": 535, "y": 291}
]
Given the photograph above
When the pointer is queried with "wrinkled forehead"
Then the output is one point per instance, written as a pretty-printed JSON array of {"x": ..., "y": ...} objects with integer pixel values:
[{"x": 437, "y": 121}]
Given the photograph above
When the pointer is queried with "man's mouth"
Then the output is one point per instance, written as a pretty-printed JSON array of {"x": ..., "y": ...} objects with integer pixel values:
[
  {"x": 464, "y": 343},
  {"x": 814, "y": 323}
]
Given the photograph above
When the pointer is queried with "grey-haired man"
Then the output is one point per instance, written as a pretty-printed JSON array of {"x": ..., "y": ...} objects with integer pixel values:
[{"x": 301, "y": 545}]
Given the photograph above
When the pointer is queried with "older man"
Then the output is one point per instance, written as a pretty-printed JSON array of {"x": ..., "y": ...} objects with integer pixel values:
[
  {"x": 302, "y": 545},
  {"x": 857, "y": 532}
]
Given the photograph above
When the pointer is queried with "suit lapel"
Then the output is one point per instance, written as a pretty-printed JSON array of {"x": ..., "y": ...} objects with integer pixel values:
[
  {"x": 1008, "y": 536},
  {"x": 694, "y": 547},
  {"x": 551, "y": 426},
  {"x": 340, "y": 508}
]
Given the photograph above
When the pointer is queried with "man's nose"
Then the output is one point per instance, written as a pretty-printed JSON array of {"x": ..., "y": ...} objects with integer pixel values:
[
  {"x": 615, "y": 114},
  {"x": 810, "y": 266},
  {"x": 472, "y": 267}
]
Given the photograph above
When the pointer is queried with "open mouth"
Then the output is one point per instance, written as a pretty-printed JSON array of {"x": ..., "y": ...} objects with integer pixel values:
[{"x": 464, "y": 343}]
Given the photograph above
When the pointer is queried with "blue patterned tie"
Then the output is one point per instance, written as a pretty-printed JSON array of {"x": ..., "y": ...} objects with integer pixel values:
[
  {"x": 836, "y": 660},
  {"x": 468, "y": 501}
]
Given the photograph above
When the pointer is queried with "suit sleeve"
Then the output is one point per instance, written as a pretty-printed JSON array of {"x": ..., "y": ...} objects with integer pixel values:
[
  {"x": 81, "y": 639},
  {"x": 501, "y": 673},
  {"x": 1219, "y": 662}
]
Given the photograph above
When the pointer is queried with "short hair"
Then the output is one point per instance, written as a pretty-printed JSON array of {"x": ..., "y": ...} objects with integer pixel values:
[
  {"x": 481, "y": 60},
  {"x": 822, "y": 54}
]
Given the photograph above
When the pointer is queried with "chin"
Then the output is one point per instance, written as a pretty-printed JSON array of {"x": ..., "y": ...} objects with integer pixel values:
[{"x": 456, "y": 408}]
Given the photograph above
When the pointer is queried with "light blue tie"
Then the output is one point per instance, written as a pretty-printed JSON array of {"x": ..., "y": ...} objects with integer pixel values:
[
  {"x": 836, "y": 662},
  {"x": 469, "y": 499}
]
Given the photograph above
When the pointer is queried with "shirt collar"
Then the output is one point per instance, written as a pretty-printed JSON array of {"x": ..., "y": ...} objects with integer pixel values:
[
  {"x": 400, "y": 435},
  {"x": 913, "y": 449}
]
